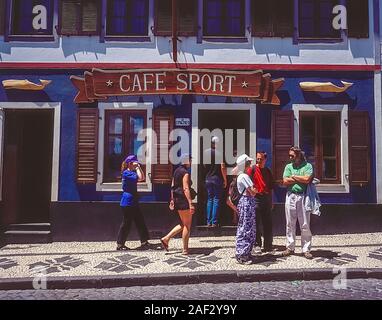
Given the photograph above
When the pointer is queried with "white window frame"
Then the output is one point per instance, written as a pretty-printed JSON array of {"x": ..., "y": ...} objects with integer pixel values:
[
  {"x": 344, "y": 186},
  {"x": 56, "y": 106},
  {"x": 145, "y": 186}
]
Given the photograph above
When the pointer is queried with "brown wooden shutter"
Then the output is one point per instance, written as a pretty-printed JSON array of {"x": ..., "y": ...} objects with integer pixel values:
[
  {"x": 187, "y": 17},
  {"x": 87, "y": 145},
  {"x": 90, "y": 16},
  {"x": 69, "y": 17},
  {"x": 358, "y": 18},
  {"x": 162, "y": 173},
  {"x": 163, "y": 17},
  {"x": 2, "y": 16},
  {"x": 282, "y": 140},
  {"x": 359, "y": 147},
  {"x": 262, "y": 18},
  {"x": 283, "y": 21}
]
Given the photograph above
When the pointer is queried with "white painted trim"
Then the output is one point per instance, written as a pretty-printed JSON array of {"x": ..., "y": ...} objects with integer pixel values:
[
  {"x": 56, "y": 106},
  {"x": 117, "y": 186},
  {"x": 2, "y": 118},
  {"x": 344, "y": 187},
  {"x": 195, "y": 139},
  {"x": 378, "y": 134}
]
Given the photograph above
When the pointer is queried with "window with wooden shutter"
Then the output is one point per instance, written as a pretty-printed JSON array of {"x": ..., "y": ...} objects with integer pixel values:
[
  {"x": 359, "y": 147},
  {"x": 162, "y": 172},
  {"x": 273, "y": 18},
  {"x": 282, "y": 140},
  {"x": 2, "y": 16},
  {"x": 187, "y": 18},
  {"x": 358, "y": 18},
  {"x": 87, "y": 145},
  {"x": 79, "y": 17}
]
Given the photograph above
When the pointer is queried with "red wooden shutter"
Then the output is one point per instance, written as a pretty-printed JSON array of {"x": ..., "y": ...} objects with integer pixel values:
[
  {"x": 69, "y": 17},
  {"x": 358, "y": 18},
  {"x": 359, "y": 147},
  {"x": 282, "y": 140},
  {"x": 87, "y": 145},
  {"x": 162, "y": 173},
  {"x": 283, "y": 22},
  {"x": 90, "y": 16},
  {"x": 2, "y": 16}
]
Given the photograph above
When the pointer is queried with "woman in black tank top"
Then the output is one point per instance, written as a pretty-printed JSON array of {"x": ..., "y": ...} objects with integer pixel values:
[{"x": 182, "y": 202}]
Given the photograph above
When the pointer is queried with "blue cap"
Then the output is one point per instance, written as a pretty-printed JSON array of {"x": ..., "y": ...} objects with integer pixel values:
[{"x": 131, "y": 158}]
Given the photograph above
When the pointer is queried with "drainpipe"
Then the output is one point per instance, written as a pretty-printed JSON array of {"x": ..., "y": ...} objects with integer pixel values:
[
  {"x": 378, "y": 99},
  {"x": 174, "y": 31}
]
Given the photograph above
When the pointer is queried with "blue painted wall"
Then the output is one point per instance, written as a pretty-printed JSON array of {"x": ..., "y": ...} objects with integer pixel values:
[{"x": 359, "y": 97}]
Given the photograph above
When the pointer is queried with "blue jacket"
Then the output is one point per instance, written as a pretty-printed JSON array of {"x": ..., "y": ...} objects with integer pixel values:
[{"x": 312, "y": 202}]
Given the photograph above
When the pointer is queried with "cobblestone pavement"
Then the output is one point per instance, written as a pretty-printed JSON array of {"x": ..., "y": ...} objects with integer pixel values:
[
  {"x": 359, "y": 289},
  {"x": 73, "y": 259}
]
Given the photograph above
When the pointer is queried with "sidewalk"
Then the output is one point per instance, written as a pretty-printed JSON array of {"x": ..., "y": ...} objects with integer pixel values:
[{"x": 97, "y": 264}]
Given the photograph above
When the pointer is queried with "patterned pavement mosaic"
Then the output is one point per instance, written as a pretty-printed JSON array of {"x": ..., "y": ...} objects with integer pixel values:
[{"x": 206, "y": 254}]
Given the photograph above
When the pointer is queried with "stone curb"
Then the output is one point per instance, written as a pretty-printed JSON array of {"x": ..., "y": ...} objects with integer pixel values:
[{"x": 114, "y": 281}]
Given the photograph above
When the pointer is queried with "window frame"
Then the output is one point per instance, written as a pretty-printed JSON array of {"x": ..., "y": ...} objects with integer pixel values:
[
  {"x": 318, "y": 146},
  {"x": 240, "y": 38},
  {"x": 128, "y": 107},
  {"x": 3, "y": 6},
  {"x": 319, "y": 39},
  {"x": 79, "y": 31},
  {"x": 8, "y": 27},
  {"x": 179, "y": 33},
  {"x": 125, "y": 37},
  {"x": 126, "y": 138},
  {"x": 344, "y": 185}
]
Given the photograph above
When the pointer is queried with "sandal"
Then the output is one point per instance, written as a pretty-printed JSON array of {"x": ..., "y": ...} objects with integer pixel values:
[
  {"x": 185, "y": 252},
  {"x": 122, "y": 248},
  {"x": 164, "y": 245}
]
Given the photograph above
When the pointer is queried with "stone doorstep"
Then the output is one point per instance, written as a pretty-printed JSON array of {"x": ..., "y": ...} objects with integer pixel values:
[{"x": 112, "y": 281}]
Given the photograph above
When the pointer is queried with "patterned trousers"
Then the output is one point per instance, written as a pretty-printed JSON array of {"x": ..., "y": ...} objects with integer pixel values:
[{"x": 246, "y": 228}]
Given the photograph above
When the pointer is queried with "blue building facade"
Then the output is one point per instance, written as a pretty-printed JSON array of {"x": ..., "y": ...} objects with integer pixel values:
[{"x": 45, "y": 139}]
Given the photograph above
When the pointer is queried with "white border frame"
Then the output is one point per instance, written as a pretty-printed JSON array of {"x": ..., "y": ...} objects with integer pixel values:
[
  {"x": 56, "y": 106},
  {"x": 344, "y": 187},
  {"x": 219, "y": 106},
  {"x": 102, "y": 107}
]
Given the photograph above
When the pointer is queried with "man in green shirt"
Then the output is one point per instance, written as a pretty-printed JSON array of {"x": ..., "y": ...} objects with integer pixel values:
[{"x": 297, "y": 175}]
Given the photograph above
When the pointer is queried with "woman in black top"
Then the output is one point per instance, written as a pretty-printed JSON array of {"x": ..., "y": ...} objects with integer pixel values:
[{"x": 182, "y": 202}]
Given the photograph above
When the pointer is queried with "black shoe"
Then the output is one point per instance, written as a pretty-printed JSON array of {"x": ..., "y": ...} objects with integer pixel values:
[
  {"x": 122, "y": 248},
  {"x": 144, "y": 246},
  {"x": 244, "y": 261}
]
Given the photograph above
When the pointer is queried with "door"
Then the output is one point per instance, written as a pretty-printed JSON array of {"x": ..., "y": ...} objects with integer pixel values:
[
  {"x": 222, "y": 119},
  {"x": 27, "y": 166}
]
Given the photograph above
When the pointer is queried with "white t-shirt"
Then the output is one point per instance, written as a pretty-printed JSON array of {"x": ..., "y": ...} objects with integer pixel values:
[{"x": 244, "y": 182}]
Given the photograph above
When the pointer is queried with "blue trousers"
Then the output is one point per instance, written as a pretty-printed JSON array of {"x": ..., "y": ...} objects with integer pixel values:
[
  {"x": 214, "y": 194},
  {"x": 246, "y": 228}
]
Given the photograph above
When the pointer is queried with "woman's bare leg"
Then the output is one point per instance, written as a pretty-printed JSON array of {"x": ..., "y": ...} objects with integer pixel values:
[
  {"x": 178, "y": 228},
  {"x": 186, "y": 218}
]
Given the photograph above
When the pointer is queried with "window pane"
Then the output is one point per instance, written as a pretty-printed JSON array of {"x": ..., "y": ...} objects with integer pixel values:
[
  {"x": 330, "y": 169},
  {"x": 136, "y": 125},
  {"x": 138, "y": 17},
  {"x": 329, "y": 125},
  {"x": 2, "y": 16},
  {"x": 308, "y": 138},
  {"x": 329, "y": 147},
  {"x": 22, "y": 17},
  {"x": 115, "y": 124},
  {"x": 114, "y": 158},
  {"x": 117, "y": 17}
]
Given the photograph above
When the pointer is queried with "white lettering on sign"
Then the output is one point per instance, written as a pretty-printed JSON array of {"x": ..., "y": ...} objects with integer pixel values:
[
  {"x": 182, "y": 122},
  {"x": 40, "y": 21}
]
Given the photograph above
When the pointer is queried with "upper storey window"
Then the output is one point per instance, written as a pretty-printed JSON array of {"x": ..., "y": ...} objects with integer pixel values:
[
  {"x": 224, "y": 18},
  {"x": 32, "y": 18},
  {"x": 127, "y": 18},
  {"x": 2, "y": 16}
]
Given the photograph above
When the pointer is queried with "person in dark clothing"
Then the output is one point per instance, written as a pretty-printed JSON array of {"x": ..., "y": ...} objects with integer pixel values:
[
  {"x": 182, "y": 202},
  {"x": 262, "y": 178},
  {"x": 215, "y": 181},
  {"x": 131, "y": 174}
]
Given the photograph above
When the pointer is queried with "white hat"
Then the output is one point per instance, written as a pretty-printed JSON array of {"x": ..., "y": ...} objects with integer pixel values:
[
  {"x": 215, "y": 139},
  {"x": 243, "y": 159}
]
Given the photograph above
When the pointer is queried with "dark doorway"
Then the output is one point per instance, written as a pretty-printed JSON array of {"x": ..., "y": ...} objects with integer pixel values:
[
  {"x": 27, "y": 178},
  {"x": 220, "y": 119}
]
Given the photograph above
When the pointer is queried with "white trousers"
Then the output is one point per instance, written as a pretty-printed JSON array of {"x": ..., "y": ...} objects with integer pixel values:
[{"x": 294, "y": 210}]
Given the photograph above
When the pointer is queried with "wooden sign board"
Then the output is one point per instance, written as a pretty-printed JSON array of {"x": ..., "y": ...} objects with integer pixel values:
[{"x": 100, "y": 84}]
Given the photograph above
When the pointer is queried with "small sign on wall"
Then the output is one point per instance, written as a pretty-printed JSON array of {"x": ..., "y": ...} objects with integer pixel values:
[{"x": 182, "y": 122}]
